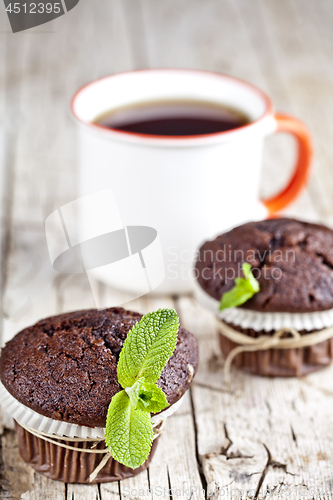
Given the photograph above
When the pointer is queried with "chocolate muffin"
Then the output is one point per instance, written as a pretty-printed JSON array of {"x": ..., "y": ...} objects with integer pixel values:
[
  {"x": 41, "y": 365},
  {"x": 65, "y": 368},
  {"x": 293, "y": 263}
]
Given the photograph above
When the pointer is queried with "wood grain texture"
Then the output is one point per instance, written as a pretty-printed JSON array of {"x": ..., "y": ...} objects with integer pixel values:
[
  {"x": 264, "y": 43},
  {"x": 266, "y": 437},
  {"x": 262, "y": 436}
]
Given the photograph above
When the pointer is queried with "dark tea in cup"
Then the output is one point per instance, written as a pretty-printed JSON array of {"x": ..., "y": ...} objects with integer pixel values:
[{"x": 174, "y": 118}]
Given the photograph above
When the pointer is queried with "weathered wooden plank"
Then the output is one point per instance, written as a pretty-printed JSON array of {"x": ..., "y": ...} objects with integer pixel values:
[
  {"x": 41, "y": 74},
  {"x": 3, "y": 179},
  {"x": 205, "y": 35},
  {"x": 45, "y": 489},
  {"x": 282, "y": 58},
  {"x": 30, "y": 293},
  {"x": 289, "y": 44},
  {"x": 82, "y": 492},
  {"x": 17, "y": 477},
  {"x": 110, "y": 491},
  {"x": 46, "y": 154},
  {"x": 261, "y": 432},
  {"x": 44, "y": 164},
  {"x": 41, "y": 141},
  {"x": 184, "y": 475},
  {"x": 135, "y": 28},
  {"x": 135, "y": 487},
  {"x": 11, "y": 84}
]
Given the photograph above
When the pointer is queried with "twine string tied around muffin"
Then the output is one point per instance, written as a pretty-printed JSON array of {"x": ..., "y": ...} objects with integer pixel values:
[
  {"x": 265, "y": 342},
  {"x": 158, "y": 429}
]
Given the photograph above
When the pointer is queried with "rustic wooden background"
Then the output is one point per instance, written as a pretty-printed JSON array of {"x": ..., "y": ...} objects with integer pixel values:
[{"x": 265, "y": 438}]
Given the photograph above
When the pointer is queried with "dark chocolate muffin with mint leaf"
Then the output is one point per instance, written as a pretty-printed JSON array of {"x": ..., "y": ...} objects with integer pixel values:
[
  {"x": 265, "y": 276},
  {"x": 291, "y": 259},
  {"x": 65, "y": 367}
]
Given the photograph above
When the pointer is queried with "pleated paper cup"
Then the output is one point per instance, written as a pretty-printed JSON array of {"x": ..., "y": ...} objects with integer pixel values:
[
  {"x": 272, "y": 362},
  {"x": 63, "y": 464}
]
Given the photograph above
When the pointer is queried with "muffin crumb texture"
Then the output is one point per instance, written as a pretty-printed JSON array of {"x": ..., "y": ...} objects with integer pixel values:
[
  {"x": 65, "y": 367},
  {"x": 292, "y": 260}
]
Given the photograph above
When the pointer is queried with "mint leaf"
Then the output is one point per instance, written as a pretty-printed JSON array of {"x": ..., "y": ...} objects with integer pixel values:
[
  {"x": 246, "y": 268},
  {"x": 148, "y": 347},
  {"x": 129, "y": 432},
  {"x": 146, "y": 350},
  {"x": 152, "y": 398},
  {"x": 243, "y": 290},
  {"x": 147, "y": 396}
]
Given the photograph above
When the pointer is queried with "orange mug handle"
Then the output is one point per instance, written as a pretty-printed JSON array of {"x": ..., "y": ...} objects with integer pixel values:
[{"x": 286, "y": 123}]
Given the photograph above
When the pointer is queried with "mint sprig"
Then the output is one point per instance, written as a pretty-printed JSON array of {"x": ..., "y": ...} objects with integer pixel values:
[
  {"x": 243, "y": 290},
  {"x": 146, "y": 350},
  {"x": 147, "y": 396},
  {"x": 129, "y": 432}
]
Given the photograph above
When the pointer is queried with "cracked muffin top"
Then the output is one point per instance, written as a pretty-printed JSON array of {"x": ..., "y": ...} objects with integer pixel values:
[
  {"x": 65, "y": 367},
  {"x": 292, "y": 260}
]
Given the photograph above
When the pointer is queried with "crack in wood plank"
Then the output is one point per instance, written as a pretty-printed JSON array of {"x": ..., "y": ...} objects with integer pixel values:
[{"x": 199, "y": 464}]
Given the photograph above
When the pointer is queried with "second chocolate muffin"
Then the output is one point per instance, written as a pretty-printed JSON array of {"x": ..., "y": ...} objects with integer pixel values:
[{"x": 293, "y": 263}]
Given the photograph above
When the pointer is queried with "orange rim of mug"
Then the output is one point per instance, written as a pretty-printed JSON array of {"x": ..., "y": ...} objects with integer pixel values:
[
  {"x": 153, "y": 138},
  {"x": 300, "y": 177}
]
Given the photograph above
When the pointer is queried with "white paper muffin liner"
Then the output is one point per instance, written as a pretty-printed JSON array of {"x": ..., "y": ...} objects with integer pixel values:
[
  {"x": 24, "y": 415},
  {"x": 267, "y": 321}
]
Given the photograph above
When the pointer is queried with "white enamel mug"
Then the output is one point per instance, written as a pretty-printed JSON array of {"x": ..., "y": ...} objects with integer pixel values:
[{"x": 188, "y": 188}]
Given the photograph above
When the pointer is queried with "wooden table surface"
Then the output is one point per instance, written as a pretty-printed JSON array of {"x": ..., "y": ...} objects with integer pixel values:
[{"x": 266, "y": 437}]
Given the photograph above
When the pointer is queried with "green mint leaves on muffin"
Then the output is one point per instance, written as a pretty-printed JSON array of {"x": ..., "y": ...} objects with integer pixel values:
[
  {"x": 129, "y": 432},
  {"x": 148, "y": 347},
  {"x": 147, "y": 396},
  {"x": 146, "y": 350},
  {"x": 243, "y": 290}
]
